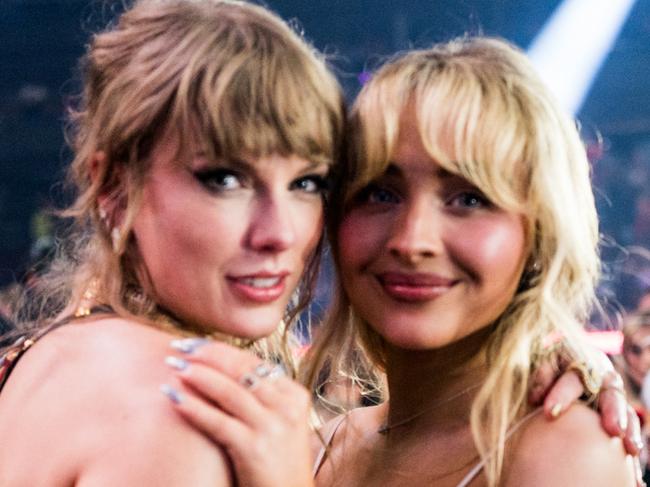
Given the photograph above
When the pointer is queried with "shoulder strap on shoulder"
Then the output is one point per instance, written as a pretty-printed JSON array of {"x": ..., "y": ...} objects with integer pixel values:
[
  {"x": 471, "y": 475},
  {"x": 327, "y": 441}
]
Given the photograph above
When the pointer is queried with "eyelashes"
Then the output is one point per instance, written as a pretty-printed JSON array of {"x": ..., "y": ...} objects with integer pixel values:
[
  {"x": 313, "y": 184},
  {"x": 459, "y": 200},
  {"x": 376, "y": 194},
  {"x": 469, "y": 199},
  {"x": 220, "y": 180}
]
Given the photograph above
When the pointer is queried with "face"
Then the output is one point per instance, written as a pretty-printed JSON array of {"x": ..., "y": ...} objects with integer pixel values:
[
  {"x": 637, "y": 354},
  {"x": 425, "y": 258},
  {"x": 225, "y": 242}
]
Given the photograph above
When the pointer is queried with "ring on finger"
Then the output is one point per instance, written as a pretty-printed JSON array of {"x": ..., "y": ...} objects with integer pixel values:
[
  {"x": 613, "y": 382},
  {"x": 251, "y": 380},
  {"x": 589, "y": 381}
]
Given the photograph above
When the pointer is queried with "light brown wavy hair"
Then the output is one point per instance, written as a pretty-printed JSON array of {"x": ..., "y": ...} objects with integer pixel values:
[
  {"x": 484, "y": 114},
  {"x": 229, "y": 75}
]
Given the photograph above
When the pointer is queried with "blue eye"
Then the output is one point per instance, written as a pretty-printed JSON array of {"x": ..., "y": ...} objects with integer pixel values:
[
  {"x": 312, "y": 184},
  {"x": 468, "y": 200},
  {"x": 218, "y": 180},
  {"x": 380, "y": 195}
]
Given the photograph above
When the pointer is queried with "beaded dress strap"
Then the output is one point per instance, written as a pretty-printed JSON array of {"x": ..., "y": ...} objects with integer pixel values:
[{"x": 16, "y": 350}]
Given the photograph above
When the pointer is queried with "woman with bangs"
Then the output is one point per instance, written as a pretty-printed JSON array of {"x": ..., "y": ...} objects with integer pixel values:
[
  {"x": 465, "y": 237},
  {"x": 203, "y": 143}
]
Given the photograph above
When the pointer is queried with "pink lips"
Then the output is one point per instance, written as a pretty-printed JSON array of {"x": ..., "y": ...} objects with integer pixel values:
[
  {"x": 414, "y": 287},
  {"x": 260, "y": 288}
]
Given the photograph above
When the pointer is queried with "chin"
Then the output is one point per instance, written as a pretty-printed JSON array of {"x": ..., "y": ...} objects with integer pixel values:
[{"x": 252, "y": 327}]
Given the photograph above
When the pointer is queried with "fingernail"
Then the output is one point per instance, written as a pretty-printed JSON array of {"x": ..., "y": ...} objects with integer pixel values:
[
  {"x": 556, "y": 410},
  {"x": 173, "y": 395},
  {"x": 176, "y": 363},
  {"x": 622, "y": 425},
  {"x": 188, "y": 345}
]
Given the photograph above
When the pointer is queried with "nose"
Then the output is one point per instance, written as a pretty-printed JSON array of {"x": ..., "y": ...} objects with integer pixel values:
[
  {"x": 272, "y": 227},
  {"x": 416, "y": 232}
]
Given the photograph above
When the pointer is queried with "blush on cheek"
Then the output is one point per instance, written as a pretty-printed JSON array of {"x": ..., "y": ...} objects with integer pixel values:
[
  {"x": 492, "y": 248},
  {"x": 348, "y": 240}
]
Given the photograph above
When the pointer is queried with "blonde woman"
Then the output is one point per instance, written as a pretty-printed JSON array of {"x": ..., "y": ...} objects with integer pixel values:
[
  {"x": 471, "y": 190},
  {"x": 203, "y": 142},
  {"x": 465, "y": 235}
]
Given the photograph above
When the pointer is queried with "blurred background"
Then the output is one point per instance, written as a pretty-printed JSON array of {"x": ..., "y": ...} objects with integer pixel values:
[{"x": 609, "y": 73}]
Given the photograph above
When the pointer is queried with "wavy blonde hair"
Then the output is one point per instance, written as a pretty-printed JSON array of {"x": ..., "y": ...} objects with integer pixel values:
[
  {"x": 484, "y": 114},
  {"x": 228, "y": 75}
]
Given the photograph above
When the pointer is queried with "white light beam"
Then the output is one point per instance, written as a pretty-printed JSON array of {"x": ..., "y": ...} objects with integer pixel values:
[{"x": 572, "y": 46}]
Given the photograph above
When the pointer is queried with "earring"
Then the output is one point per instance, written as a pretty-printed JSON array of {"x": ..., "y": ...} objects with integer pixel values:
[
  {"x": 115, "y": 238},
  {"x": 88, "y": 300},
  {"x": 530, "y": 273},
  {"x": 536, "y": 266},
  {"x": 103, "y": 216}
]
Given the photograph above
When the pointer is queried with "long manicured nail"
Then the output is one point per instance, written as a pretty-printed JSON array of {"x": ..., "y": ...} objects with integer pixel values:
[
  {"x": 556, "y": 410},
  {"x": 639, "y": 444},
  {"x": 173, "y": 394},
  {"x": 188, "y": 345},
  {"x": 176, "y": 363}
]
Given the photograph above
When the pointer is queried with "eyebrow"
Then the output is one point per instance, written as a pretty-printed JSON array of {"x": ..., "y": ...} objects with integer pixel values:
[
  {"x": 394, "y": 169},
  {"x": 239, "y": 163}
]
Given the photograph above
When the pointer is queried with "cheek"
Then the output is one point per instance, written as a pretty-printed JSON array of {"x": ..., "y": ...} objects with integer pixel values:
[
  {"x": 355, "y": 239},
  {"x": 493, "y": 248},
  {"x": 310, "y": 227}
]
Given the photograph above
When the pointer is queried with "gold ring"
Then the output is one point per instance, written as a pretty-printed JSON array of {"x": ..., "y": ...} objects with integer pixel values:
[
  {"x": 589, "y": 380},
  {"x": 613, "y": 381}
]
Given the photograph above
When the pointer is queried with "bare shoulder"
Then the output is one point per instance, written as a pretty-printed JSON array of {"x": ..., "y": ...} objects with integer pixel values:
[
  {"x": 572, "y": 450},
  {"x": 96, "y": 384}
]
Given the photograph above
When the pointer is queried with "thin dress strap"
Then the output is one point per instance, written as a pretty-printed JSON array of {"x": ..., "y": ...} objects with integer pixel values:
[
  {"x": 473, "y": 473},
  {"x": 327, "y": 441}
]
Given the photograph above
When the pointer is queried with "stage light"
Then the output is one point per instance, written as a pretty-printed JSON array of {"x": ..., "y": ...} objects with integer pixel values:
[{"x": 571, "y": 47}]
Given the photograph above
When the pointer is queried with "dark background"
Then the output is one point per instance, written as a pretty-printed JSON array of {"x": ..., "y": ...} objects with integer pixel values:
[{"x": 41, "y": 40}]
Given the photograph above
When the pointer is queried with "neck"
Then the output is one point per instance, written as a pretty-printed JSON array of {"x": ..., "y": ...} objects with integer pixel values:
[{"x": 434, "y": 389}]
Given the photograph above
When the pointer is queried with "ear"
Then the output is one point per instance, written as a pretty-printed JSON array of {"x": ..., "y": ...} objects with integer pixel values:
[{"x": 97, "y": 165}]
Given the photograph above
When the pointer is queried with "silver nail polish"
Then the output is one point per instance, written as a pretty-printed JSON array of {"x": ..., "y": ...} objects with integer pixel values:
[
  {"x": 174, "y": 395},
  {"x": 188, "y": 345},
  {"x": 176, "y": 363}
]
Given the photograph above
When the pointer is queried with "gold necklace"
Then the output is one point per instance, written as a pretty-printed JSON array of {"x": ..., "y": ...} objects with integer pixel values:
[{"x": 385, "y": 427}]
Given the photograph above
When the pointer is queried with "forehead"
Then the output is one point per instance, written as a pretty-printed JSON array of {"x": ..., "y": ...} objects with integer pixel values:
[
  {"x": 410, "y": 152},
  {"x": 641, "y": 336}
]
